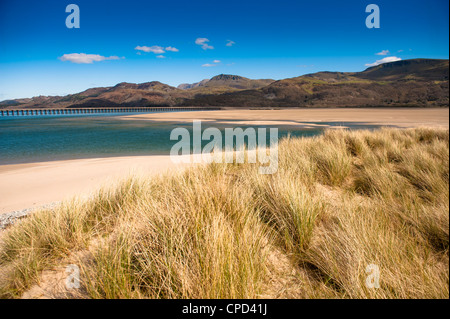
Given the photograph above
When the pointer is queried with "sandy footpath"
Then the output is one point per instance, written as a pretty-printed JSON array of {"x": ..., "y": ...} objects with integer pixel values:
[{"x": 29, "y": 185}]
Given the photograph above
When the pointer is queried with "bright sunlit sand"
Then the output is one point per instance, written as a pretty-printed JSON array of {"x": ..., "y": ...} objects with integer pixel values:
[{"x": 30, "y": 185}]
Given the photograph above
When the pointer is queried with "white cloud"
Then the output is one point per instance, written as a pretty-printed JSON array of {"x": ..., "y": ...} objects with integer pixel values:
[
  {"x": 214, "y": 63},
  {"x": 172, "y": 49},
  {"x": 384, "y": 60},
  {"x": 203, "y": 43},
  {"x": 155, "y": 49},
  {"x": 230, "y": 43},
  {"x": 83, "y": 58},
  {"x": 160, "y": 56},
  {"x": 384, "y": 52}
]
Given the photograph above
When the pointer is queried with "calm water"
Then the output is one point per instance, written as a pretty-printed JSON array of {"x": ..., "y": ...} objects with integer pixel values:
[{"x": 36, "y": 139}]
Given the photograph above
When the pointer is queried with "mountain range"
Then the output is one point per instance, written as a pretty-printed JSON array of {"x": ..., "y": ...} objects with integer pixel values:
[{"x": 415, "y": 82}]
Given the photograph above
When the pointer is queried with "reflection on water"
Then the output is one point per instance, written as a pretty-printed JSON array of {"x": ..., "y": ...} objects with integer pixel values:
[{"x": 25, "y": 140}]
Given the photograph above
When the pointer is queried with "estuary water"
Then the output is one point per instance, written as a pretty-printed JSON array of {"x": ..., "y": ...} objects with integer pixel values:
[{"x": 41, "y": 138}]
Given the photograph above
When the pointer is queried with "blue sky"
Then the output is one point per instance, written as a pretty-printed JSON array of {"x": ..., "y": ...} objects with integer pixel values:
[{"x": 270, "y": 39}]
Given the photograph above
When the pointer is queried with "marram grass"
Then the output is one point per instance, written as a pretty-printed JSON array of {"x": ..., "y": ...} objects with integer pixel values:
[{"x": 338, "y": 203}]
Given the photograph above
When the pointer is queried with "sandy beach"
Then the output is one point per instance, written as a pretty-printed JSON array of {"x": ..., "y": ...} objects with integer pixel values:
[{"x": 29, "y": 185}]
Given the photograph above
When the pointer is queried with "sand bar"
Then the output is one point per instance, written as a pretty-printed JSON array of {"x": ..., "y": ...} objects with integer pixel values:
[
  {"x": 29, "y": 185},
  {"x": 401, "y": 117}
]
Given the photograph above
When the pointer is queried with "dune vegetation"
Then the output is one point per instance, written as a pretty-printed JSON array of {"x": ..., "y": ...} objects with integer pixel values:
[{"x": 339, "y": 203}]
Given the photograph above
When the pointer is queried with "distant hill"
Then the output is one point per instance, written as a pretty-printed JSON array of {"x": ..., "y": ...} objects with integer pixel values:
[
  {"x": 224, "y": 83},
  {"x": 417, "y": 69},
  {"x": 123, "y": 94},
  {"x": 186, "y": 86},
  {"x": 417, "y": 82}
]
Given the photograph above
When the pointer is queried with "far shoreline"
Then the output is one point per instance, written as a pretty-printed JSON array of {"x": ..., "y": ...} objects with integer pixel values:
[{"x": 396, "y": 117}]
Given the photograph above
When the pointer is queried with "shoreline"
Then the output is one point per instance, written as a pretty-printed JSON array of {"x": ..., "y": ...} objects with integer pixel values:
[{"x": 29, "y": 185}]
